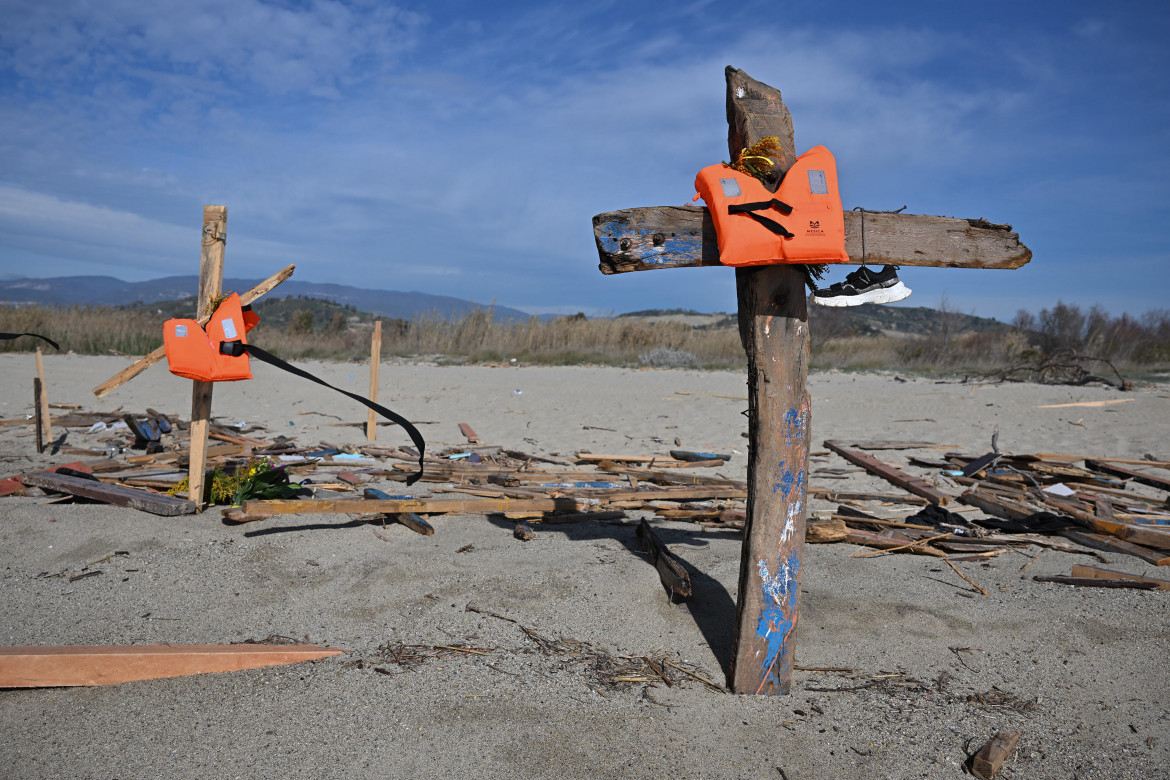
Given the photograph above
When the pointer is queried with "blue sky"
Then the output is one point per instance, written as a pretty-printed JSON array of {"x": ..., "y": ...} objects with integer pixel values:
[{"x": 461, "y": 148}]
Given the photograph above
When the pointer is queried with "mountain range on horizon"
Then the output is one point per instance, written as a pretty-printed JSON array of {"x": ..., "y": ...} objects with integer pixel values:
[{"x": 867, "y": 319}]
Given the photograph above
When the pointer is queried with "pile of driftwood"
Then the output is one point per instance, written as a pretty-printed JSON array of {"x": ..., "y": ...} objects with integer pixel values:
[
  {"x": 957, "y": 506},
  {"x": 979, "y": 507}
]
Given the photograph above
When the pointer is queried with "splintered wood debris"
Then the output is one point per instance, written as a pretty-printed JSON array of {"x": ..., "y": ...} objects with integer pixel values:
[{"x": 957, "y": 506}]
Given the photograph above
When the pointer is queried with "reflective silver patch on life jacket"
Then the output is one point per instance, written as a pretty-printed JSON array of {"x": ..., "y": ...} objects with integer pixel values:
[
  {"x": 817, "y": 183},
  {"x": 181, "y": 331},
  {"x": 730, "y": 188},
  {"x": 229, "y": 329}
]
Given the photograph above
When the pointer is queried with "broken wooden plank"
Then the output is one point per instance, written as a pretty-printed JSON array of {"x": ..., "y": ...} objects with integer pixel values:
[
  {"x": 10, "y": 485},
  {"x": 1094, "y": 582},
  {"x": 888, "y": 444},
  {"x": 40, "y": 667},
  {"x": 1087, "y": 403},
  {"x": 1105, "y": 542},
  {"x": 672, "y": 573},
  {"x": 259, "y": 510},
  {"x": 990, "y": 758},
  {"x": 845, "y": 495},
  {"x": 118, "y": 495},
  {"x": 1079, "y": 570},
  {"x": 1073, "y": 457},
  {"x": 408, "y": 519},
  {"x": 1147, "y": 536},
  {"x": 871, "y": 539},
  {"x": 1152, "y": 480},
  {"x": 657, "y": 237},
  {"x": 889, "y": 473},
  {"x": 470, "y": 434}
]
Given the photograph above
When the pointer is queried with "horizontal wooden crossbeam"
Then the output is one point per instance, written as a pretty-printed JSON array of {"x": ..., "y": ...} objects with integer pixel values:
[{"x": 646, "y": 239}]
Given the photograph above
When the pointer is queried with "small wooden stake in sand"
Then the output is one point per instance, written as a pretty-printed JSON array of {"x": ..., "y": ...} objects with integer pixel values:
[
  {"x": 210, "y": 287},
  {"x": 375, "y": 362},
  {"x": 38, "y": 392},
  {"x": 45, "y": 421},
  {"x": 42, "y": 667},
  {"x": 990, "y": 759}
]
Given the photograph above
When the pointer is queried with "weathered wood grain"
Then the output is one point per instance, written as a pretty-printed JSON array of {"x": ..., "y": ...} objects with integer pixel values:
[
  {"x": 647, "y": 239},
  {"x": 118, "y": 495},
  {"x": 673, "y": 574},
  {"x": 41, "y": 667},
  {"x": 898, "y": 477},
  {"x": 773, "y": 326},
  {"x": 214, "y": 239}
]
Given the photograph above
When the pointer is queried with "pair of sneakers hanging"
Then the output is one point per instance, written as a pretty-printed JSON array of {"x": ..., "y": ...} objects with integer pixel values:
[{"x": 864, "y": 286}]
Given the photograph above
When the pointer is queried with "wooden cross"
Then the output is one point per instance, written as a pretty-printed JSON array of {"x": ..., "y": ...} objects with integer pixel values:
[
  {"x": 773, "y": 326},
  {"x": 214, "y": 240}
]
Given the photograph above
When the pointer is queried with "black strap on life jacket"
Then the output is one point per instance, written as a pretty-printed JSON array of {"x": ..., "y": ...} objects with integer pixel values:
[
  {"x": 237, "y": 348},
  {"x": 7, "y": 336},
  {"x": 750, "y": 210}
]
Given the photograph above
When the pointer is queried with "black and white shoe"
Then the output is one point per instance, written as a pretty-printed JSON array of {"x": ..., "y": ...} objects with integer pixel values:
[{"x": 864, "y": 286}]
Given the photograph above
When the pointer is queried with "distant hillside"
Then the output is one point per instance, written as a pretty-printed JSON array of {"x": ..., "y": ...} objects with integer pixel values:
[
  {"x": 869, "y": 319},
  {"x": 108, "y": 291}
]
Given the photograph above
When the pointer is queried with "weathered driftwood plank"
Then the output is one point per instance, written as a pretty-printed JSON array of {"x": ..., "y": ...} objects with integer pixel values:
[
  {"x": 259, "y": 510},
  {"x": 1153, "y": 480},
  {"x": 41, "y": 667},
  {"x": 118, "y": 495},
  {"x": 886, "y": 471},
  {"x": 1081, "y": 571},
  {"x": 986, "y": 763},
  {"x": 646, "y": 239},
  {"x": 773, "y": 325},
  {"x": 672, "y": 573},
  {"x": 408, "y": 519},
  {"x": 1105, "y": 542}
]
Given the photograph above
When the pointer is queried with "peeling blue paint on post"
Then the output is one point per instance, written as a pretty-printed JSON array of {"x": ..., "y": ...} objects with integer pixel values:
[
  {"x": 777, "y": 618},
  {"x": 780, "y": 591}
]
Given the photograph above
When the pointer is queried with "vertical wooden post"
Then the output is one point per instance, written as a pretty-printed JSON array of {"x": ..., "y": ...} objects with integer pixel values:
[
  {"x": 210, "y": 287},
  {"x": 37, "y": 414},
  {"x": 46, "y": 420},
  {"x": 773, "y": 325},
  {"x": 375, "y": 362}
]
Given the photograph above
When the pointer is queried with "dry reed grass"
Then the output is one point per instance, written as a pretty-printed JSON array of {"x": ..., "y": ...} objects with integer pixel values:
[{"x": 479, "y": 338}]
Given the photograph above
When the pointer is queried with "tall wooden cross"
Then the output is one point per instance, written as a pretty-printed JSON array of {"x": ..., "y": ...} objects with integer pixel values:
[
  {"x": 214, "y": 239},
  {"x": 773, "y": 325}
]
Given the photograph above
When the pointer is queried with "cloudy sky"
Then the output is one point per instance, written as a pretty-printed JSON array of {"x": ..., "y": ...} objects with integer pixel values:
[{"x": 460, "y": 148}]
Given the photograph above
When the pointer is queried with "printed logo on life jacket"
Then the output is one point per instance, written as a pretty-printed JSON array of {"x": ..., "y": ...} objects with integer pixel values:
[{"x": 814, "y": 226}]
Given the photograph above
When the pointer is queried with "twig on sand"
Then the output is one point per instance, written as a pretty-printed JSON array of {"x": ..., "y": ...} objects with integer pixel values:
[{"x": 968, "y": 579}]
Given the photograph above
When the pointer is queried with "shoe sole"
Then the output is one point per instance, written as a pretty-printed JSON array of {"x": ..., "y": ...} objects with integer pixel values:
[{"x": 876, "y": 295}]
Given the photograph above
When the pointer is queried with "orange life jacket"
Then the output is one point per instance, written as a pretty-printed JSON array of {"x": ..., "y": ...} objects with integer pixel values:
[
  {"x": 746, "y": 214},
  {"x": 194, "y": 352}
]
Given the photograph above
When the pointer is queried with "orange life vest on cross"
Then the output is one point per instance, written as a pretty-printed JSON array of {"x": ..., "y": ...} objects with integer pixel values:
[
  {"x": 746, "y": 215},
  {"x": 193, "y": 351}
]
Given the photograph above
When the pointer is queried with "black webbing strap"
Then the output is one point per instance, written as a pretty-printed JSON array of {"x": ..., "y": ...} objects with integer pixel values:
[
  {"x": 750, "y": 210},
  {"x": 237, "y": 348},
  {"x": 7, "y": 336},
  {"x": 779, "y": 205}
]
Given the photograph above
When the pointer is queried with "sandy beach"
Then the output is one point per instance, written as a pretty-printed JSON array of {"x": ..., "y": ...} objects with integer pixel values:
[{"x": 936, "y": 668}]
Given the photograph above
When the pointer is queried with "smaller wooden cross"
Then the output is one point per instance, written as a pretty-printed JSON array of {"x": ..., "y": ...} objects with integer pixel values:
[
  {"x": 214, "y": 240},
  {"x": 773, "y": 326}
]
